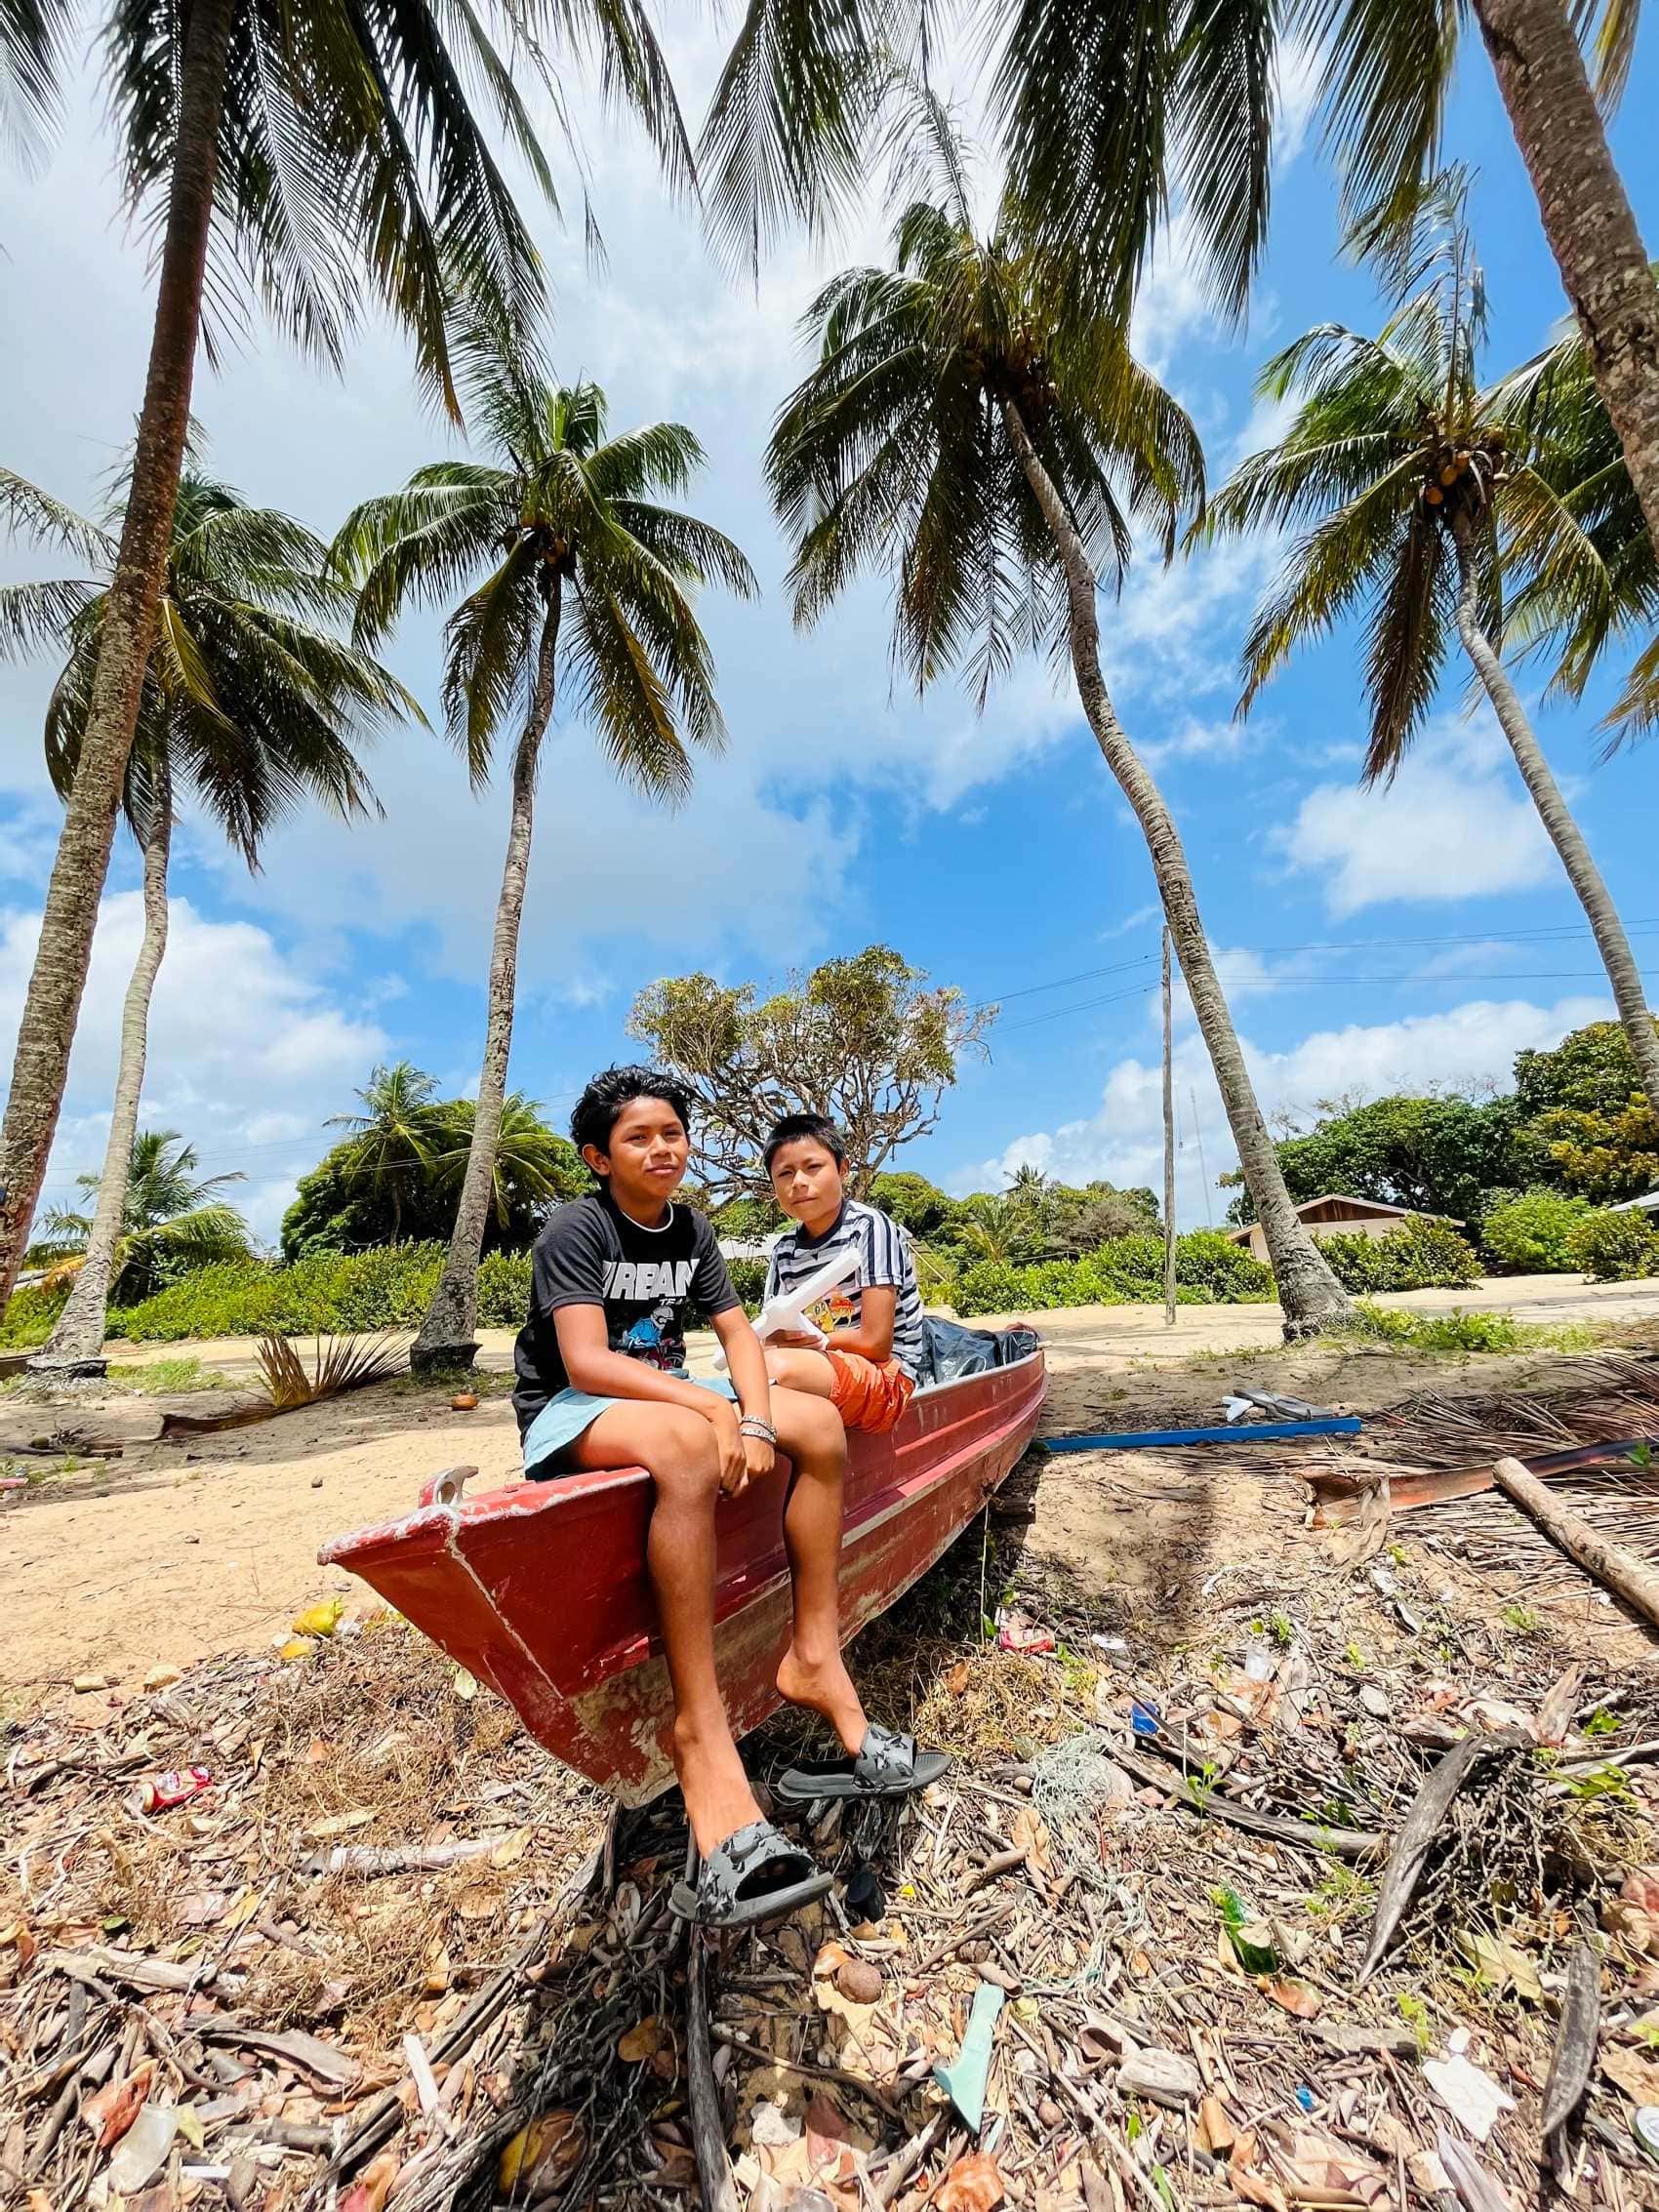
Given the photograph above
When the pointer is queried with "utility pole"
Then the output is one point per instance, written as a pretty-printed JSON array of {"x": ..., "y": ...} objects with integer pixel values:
[
  {"x": 1168, "y": 1143},
  {"x": 1204, "y": 1172}
]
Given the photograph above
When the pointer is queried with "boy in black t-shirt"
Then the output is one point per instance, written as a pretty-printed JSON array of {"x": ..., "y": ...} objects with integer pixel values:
[{"x": 602, "y": 1384}]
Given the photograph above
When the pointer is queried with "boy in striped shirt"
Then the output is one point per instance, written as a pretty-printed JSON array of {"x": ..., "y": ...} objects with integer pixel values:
[{"x": 873, "y": 1359}]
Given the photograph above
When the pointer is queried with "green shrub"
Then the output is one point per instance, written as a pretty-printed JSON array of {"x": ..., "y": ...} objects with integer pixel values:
[
  {"x": 749, "y": 1280},
  {"x": 1129, "y": 1271},
  {"x": 1532, "y": 1235},
  {"x": 504, "y": 1290},
  {"x": 1438, "y": 1332},
  {"x": 388, "y": 1288},
  {"x": 1616, "y": 1248},
  {"x": 1419, "y": 1255},
  {"x": 30, "y": 1317}
]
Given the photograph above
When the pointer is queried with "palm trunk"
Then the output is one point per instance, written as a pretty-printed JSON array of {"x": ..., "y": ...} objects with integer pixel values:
[
  {"x": 1587, "y": 218},
  {"x": 76, "y": 1344},
  {"x": 47, "y": 1031},
  {"x": 448, "y": 1334},
  {"x": 1309, "y": 1293},
  {"x": 1557, "y": 816}
]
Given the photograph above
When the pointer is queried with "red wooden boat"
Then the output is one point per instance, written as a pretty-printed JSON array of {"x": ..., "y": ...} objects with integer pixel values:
[{"x": 540, "y": 1590}]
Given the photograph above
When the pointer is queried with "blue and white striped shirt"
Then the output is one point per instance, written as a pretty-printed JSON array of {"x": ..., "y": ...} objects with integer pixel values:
[{"x": 884, "y": 1262}]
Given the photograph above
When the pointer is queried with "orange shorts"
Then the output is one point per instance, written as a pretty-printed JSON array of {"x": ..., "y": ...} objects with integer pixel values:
[{"x": 869, "y": 1394}]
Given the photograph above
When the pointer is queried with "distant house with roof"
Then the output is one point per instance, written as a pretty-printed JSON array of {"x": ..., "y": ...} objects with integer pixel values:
[{"x": 1336, "y": 1213}]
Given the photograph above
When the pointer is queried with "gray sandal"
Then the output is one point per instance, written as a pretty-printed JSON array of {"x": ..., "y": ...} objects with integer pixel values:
[
  {"x": 755, "y": 1876},
  {"x": 886, "y": 1765}
]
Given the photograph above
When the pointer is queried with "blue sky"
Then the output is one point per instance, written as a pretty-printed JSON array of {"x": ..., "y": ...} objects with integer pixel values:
[{"x": 1372, "y": 940}]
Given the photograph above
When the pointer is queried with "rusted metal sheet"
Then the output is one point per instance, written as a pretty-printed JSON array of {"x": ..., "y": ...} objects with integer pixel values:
[
  {"x": 1338, "y": 1494},
  {"x": 541, "y": 1589}
]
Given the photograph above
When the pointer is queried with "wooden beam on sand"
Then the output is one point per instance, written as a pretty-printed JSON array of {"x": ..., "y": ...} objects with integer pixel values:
[{"x": 1614, "y": 1565}]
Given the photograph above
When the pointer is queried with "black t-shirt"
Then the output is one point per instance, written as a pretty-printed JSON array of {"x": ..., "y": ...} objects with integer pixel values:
[{"x": 591, "y": 1253}]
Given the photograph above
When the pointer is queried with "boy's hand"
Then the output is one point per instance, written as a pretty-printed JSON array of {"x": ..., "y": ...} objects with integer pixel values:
[
  {"x": 800, "y": 1338},
  {"x": 733, "y": 1448},
  {"x": 761, "y": 1460}
]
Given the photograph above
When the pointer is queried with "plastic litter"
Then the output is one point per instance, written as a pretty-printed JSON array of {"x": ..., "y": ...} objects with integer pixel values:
[
  {"x": 142, "y": 2151},
  {"x": 1469, "y": 2094},
  {"x": 1305, "y": 2097},
  {"x": 160, "y": 1793},
  {"x": 964, "y": 2081}
]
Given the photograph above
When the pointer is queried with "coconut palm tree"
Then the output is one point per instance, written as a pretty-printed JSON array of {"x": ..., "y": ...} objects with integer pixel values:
[
  {"x": 1105, "y": 114},
  {"x": 395, "y": 1138},
  {"x": 252, "y": 700},
  {"x": 573, "y": 573},
  {"x": 1000, "y": 458},
  {"x": 1388, "y": 72},
  {"x": 316, "y": 159},
  {"x": 167, "y": 1214},
  {"x": 1108, "y": 114},
  {"x": 1407, "y": 482},
  {"x": 532, "y": 1163},
  {"x": 1578, "y": 611}
]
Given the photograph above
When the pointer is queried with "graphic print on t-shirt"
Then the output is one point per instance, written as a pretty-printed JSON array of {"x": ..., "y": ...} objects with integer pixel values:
[{"x": 646, "y": 1279}]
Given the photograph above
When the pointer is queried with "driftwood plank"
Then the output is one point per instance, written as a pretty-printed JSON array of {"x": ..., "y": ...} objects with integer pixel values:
[{"x": 1614, "y": 1565}]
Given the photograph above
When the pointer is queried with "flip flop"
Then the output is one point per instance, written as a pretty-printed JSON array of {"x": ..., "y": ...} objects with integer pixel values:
[
  {"x": 886, "y": 1765},
  {"x": 753, "y": 1877}
]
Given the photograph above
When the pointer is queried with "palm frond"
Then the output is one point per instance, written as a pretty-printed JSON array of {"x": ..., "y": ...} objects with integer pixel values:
[
  {"x": 34, "y": 40},
  {"x": 34, "y": 615},
  {"x": 1386, "y": 76},
  {"x": 1634, "y": 713},
  {"x": 783, "y": 141},
  {"x": 35, "y": 516},
  {"x": 487, "y": 643}
]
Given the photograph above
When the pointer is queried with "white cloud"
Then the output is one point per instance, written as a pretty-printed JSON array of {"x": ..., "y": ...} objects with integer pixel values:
[
  {"x": 1473, "y": 1045},
  {"x": 247, "y": 1055},
  {"x": 1193, "y": 740},
  {"x": 1456, "y": 823}
]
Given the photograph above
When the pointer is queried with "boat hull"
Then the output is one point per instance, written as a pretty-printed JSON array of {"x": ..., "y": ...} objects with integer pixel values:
[{"x": 540, "y": 1590}]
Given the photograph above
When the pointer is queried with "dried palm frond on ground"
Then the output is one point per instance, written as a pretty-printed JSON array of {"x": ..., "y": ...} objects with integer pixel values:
[
  {"x": 339, "y": 1364},
  {"x": 1180, "y": 2026}
]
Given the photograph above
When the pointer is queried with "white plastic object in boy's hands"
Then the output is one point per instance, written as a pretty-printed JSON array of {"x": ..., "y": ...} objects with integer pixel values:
[{"x": 786, "y": 1314}]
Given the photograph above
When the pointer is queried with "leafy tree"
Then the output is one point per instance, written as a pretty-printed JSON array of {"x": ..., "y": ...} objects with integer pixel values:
[
  {"x": 171, "y": 1219},
  {"x": 863, "y": 1040},
  {"x": 583, "y": 572},
  {"x": 1585, "y": 1105},
  {"x": 252, "y": 702},
  {"x": 1439, "y": 1154},
  {"x": 918, "y": 1206},
  {"x": 312, "y": 159},
  {"x": 533, "y": 1168},
  {"x": 964, "y": 428},
  {"x": 1397, "y": 470}
]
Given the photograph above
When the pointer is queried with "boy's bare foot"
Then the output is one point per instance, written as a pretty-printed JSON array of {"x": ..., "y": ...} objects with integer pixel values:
[
  {"x": 824, "y": 1687},
  {"x": 718, "y": 1799}
]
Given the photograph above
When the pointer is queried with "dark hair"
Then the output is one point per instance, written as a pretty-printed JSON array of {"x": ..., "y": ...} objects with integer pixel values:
[
  {"x": 598, "y": 1107},
  {"x": 794, "y": 1126}
]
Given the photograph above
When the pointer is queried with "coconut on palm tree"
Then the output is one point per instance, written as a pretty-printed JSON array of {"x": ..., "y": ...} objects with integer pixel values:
[
  {"x": 314, "y": 160},
  {"x": 170, "y": 1219},
  {"x": 252, "y": 702},
  {"x": 1409, "y": 484},
  {"x": 578, "y": 586},
  {"x": 1000, "y": 457}
]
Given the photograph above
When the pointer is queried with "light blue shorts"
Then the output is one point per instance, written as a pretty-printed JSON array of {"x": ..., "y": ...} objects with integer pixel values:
[{"x": 569, "y": 1414}]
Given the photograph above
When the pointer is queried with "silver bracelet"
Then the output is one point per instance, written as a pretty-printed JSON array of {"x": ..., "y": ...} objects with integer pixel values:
[{"x": 763, "y": 1431}]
